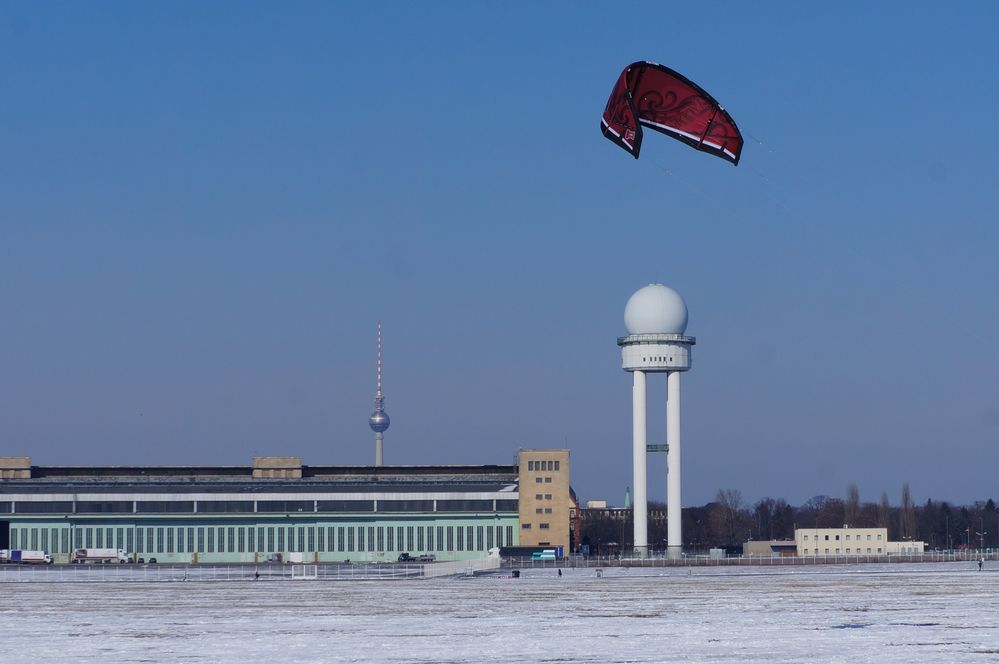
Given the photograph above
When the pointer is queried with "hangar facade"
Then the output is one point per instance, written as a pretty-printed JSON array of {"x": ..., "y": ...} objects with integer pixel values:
[{"x": 280, "y": 509}]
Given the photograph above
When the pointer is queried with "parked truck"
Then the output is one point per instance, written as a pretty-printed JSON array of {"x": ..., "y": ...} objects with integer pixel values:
[
  {"x": 81, "y": 556},
  {"x": 20, "y": 557},
  {"x": 421, "y": 558}
]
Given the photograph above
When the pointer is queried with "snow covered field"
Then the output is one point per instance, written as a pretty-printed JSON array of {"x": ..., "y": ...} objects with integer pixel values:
[{"x": 931, "y": 612}]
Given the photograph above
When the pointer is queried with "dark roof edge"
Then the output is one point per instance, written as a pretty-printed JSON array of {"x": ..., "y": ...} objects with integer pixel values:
[{"x": 39, "y": 472}]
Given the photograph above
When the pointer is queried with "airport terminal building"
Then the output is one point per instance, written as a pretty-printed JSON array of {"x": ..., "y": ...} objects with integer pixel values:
[{"x": 280, "y": 509}]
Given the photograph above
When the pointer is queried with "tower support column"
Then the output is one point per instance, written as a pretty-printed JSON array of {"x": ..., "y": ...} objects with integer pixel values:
[
  {"x": 378, "y": 448},
  {"x": 674, "y": 515},
  {"x": 640, "y": 504}
]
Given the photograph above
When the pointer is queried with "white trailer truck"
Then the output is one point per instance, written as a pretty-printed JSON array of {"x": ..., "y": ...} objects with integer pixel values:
[
  {"x": 81, "y": 556},
  {"x": 19, "y": 557}
]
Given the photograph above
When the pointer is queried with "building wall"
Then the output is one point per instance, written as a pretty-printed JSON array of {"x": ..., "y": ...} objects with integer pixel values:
[
  {"x": 544, "y": 498},
  {"x": 275, "y": 467},
  {"x": 841, "y": 541},
  {"x": 908, "y": 548},
  {"x": 15, "y": 467},
  {"x": 769, "y": 548},
  {"x": 254, "y": 538}
]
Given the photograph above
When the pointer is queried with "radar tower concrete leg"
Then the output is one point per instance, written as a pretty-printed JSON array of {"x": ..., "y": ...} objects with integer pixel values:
[
  {"x": 640, "y": 506},
  {"x": 674, "y": 532}
]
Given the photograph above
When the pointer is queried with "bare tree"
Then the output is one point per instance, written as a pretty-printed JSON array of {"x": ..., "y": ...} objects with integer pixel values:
[
  {"x": 851, "y": 509},
  {"x": 730, "y": 523},
  {"x": 908, "y": 514},
  {"x": 884, "y": 510},
  {"x": 763, "y": 514}
]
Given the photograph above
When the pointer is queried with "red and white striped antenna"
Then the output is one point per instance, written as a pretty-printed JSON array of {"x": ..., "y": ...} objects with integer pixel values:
[{"x": 378, "y": 389}]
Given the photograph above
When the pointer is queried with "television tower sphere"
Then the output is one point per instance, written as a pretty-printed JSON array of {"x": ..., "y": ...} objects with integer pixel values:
[
  {"x": 655, "y": 309},
  {"x": 379, "y": 421}
]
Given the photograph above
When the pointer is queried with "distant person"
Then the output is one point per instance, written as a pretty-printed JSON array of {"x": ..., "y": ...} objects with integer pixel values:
[
  {"x": 560, "y": 573},
  {"x": 981, "y": 561},
  {"x": 256, "y": 576}
]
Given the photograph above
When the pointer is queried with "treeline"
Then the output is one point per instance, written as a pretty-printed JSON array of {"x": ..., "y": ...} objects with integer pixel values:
[{"x": 729, "y": 521}]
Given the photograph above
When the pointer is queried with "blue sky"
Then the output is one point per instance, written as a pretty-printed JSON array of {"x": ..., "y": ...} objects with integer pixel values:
[{"x": 205, "y": 207}]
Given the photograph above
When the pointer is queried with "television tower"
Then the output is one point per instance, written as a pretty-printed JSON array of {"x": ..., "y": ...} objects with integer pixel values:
[
  {"x": 379, "y": 420},
  {"x": 656, "y": 319}
]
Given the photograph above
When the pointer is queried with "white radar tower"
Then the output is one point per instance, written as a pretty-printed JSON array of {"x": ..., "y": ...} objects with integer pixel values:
[{"x": 656, "y": 319}]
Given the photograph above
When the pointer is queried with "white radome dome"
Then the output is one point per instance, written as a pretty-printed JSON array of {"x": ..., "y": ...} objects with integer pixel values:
[{"x": 655, "y": 309}]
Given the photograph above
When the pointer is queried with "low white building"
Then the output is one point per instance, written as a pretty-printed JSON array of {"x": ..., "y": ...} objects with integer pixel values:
[
  {"x": 848, "y": 541},
  {"x": 908, "y": 548}
]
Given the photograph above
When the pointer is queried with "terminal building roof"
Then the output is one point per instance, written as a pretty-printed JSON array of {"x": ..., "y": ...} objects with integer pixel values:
[{"x": 267, "y": 474}]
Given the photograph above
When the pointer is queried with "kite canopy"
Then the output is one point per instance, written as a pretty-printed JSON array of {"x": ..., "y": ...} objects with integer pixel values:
[{"x": 650, "y": 95}]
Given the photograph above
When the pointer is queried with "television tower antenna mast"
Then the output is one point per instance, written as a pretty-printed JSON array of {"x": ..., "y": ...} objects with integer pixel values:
[{"x": 379, "y": 420}]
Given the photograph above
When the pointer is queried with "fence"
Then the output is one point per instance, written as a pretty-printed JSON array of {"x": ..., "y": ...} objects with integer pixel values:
[
  {"x": 461, "y": 567},
  {"x": 247, "y": 572},
  {"x": 707, "y": 561},
  {"x": 375, "y": 571}
]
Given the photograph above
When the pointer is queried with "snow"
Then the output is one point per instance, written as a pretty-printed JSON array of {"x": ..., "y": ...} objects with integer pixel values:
[{"x": 931, "y": 612}]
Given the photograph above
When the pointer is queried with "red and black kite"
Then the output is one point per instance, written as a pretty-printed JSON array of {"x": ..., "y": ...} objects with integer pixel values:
[{"x": 650, "y": 95}]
